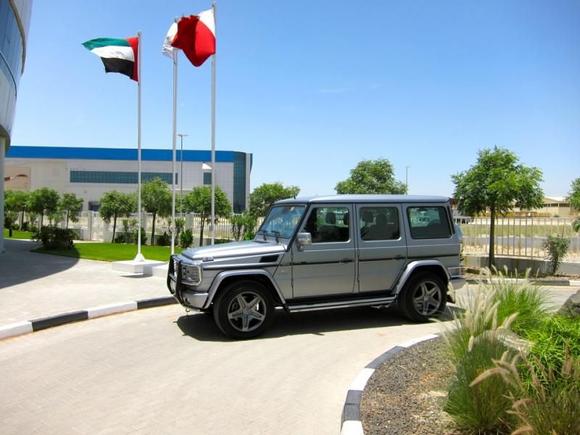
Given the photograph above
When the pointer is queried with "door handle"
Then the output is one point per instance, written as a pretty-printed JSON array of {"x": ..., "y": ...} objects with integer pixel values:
[
  {"x": 346, "y": 260},
  {"x": 399, "y": 257}
]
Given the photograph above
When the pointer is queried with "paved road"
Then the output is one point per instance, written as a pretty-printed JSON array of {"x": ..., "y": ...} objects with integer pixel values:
[
  {"x": 160, "y": 371},
  {"x": 37, "y": 285}
]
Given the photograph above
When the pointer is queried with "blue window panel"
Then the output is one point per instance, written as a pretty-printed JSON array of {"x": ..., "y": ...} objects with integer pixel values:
[
  {"x": 130, "y": 154},
  {"x": 117, "y": 177}
]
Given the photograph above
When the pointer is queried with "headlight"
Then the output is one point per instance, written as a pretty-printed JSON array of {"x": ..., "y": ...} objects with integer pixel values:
[{"x": 190, "y": 274}]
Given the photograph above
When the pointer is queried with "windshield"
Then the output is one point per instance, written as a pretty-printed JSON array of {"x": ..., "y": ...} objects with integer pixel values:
[{"x": 282, "y": 221}]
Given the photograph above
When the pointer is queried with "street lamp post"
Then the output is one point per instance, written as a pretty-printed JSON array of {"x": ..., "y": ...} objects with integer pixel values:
[{"x": 181, "y": 136}]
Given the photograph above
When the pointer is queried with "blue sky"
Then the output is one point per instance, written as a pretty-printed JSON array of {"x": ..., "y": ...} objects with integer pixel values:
[{"x": 312, "y": 87}]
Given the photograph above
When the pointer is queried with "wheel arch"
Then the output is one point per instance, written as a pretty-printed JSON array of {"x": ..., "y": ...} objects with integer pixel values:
[
  {"x": 415, "y": 267},
  {"x": 223, "y": 279}
]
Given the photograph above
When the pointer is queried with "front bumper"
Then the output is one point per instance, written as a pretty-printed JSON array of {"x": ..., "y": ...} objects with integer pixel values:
[{"x": 184, "y": 295}]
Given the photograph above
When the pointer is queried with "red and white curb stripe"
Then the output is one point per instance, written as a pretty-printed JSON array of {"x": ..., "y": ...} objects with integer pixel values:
[
  {"x": 20, "y": 328},
  {"x": 351, "y": 423}
]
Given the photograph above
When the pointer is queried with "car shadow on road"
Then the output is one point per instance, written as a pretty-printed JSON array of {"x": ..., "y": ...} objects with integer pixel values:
[
  {"x": 18, "y": 264},
  {"x": 202, "y": 327}
]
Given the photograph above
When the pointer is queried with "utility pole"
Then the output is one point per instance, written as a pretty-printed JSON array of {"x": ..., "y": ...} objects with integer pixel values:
[{"x": 181, "y": 136}]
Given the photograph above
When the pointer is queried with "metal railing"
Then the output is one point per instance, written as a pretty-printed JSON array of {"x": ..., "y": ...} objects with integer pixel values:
[{"x": 518, "y": 236}]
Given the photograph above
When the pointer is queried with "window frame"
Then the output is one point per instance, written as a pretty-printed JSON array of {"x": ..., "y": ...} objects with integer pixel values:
[{"x": 447, "y": 222}]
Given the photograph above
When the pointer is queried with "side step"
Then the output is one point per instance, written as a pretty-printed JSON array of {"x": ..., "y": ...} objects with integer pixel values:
[{"x": 343, "y": 303}]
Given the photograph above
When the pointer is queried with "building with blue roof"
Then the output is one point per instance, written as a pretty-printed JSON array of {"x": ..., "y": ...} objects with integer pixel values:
[{"x": 90, "y": 172}]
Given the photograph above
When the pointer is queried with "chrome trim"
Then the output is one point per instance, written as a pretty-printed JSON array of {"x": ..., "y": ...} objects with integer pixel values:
[
  {"x": 221, "y": 276},
  {"x": 238, "y": 265},
  {"x": 341, "y": 304},
  {"x": 414, "y": 265}
]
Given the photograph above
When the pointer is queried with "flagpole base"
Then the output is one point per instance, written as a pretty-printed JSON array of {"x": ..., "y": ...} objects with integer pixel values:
[{"x": 139, "y": 257}]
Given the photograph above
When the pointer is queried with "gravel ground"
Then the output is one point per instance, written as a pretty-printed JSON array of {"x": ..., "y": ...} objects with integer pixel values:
[{"x": 406, "y": 395}]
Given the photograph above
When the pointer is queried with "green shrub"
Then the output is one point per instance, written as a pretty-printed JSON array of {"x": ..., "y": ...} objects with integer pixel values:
[
  {"x": 186, "y": 239},
  {"x": 163, "y": 240},
  {"x": 557, "y": 247},
  {"x": 55, "y": 238},
  {"x": 553, "y": 339}
]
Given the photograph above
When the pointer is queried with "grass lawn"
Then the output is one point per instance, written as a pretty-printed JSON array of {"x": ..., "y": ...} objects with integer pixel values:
[
  {"x": 17, "y": 234},
  {"x": 112, "y": 251}
]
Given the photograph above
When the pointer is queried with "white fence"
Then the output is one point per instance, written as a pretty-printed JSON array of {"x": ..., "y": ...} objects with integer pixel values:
[
  {"x": 519, "y": 236},
  {"x": 91, "y": 226}
]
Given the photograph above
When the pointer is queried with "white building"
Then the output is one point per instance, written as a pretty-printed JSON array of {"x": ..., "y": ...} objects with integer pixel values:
[{"x": 90, "y": 172}]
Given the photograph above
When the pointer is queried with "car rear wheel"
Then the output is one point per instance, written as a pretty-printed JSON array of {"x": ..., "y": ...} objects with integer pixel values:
[
  {"x": 424, "y": 296},
  {"x": 244, "y": 310}
]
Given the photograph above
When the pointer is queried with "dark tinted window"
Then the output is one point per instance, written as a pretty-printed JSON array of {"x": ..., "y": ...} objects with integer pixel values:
[
  {"x": 428, "y": 223},
  {"x": 328, "y": 224},
  {"x": 379, "y": 223}
]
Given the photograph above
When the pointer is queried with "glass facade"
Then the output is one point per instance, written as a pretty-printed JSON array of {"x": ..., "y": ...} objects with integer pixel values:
[
  {"x": 10, "y": 44},
  {"x": 118, "y": 177},
  {"x": 239, "y": 204}
]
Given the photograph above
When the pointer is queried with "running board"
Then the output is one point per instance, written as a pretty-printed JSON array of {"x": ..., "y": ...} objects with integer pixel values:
[{"x": 316, "y": 306}]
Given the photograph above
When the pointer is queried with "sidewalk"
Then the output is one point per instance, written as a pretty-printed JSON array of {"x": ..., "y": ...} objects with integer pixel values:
[{"x": 39, "y": 285}]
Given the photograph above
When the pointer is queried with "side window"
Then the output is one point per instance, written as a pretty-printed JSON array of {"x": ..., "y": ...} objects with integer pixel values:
[
  {"x": 428, "y": 223},
  {"x": 379, "y": 223},
  {"x": 328, "y": 224}
]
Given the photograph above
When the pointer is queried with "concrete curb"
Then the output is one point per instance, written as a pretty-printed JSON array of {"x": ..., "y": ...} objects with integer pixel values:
[
  {"x": 351, "y": 423},
  {"x": 20, "y": 328},
  {"x": 554, "y": 283}
]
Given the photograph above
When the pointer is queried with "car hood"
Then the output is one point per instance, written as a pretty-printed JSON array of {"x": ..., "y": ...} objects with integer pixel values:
[{"x": 235, "y": 249}]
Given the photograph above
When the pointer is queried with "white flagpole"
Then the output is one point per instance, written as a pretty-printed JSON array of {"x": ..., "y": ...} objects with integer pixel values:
[
  {"x": 139, "y": 256},
  {"x": 213, "y": 93},
  {"x": 174, "y": 139}
]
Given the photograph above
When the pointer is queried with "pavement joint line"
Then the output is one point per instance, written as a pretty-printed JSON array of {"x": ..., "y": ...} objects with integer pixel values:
[
  {"x": 25, "y": 327},
  {"x": 351, "y": 423}
]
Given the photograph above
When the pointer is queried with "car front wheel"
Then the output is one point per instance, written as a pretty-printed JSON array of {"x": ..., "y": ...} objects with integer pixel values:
[{"x": 244, "y": 310}]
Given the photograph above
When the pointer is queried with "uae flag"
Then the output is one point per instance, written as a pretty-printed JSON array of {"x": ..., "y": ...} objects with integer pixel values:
[
  {"x": 195, "y": 35},
  {"x": 118, "y": 55}
]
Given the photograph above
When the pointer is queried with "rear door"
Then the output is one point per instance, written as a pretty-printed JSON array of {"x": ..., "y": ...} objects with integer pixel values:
[
  {"x": 382, "y": 249},
  {"x": 327, "y": 266}
]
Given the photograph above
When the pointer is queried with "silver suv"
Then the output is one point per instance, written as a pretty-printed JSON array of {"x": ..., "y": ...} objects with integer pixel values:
[{"x": 322, "y": 253}]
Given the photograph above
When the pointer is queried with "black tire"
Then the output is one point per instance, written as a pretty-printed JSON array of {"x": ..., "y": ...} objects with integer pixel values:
[
  {"x": 424, "y": 296},
  {"x": 244, "y": 309}
]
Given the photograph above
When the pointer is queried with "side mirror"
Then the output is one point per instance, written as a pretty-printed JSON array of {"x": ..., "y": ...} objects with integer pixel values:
[{"x": 303, "y": 239}]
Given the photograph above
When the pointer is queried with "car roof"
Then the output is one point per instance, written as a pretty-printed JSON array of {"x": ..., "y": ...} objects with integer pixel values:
[{"x": 364, "y": 199}]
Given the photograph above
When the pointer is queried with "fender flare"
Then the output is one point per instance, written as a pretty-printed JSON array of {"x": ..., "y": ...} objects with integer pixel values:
[
  {"x": 241, "y": 273},
  {"x": 414, "y": 265}
]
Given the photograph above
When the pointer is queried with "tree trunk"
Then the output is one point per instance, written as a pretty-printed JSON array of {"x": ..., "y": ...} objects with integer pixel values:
[
  {"x": 491, "y": 256},
  {"x": 41, "y": 218},
  {"x": 153, "y": 230},
  {"x": 201, "y": 231},
  {"x": 114, "y": 227},
  {"x": 21, "y": 221},
  {"x": 66, "y": 225}
]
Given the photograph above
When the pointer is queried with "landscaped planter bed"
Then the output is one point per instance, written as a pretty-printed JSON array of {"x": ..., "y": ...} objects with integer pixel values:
[{"x": 406, "y": 395}]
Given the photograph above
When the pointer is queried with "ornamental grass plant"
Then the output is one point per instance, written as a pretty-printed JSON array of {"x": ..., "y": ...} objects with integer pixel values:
[
  {"x": 474, "y": 341},
  {"x": 500, "y": 386},
  {"x": 548, "y": 402}
]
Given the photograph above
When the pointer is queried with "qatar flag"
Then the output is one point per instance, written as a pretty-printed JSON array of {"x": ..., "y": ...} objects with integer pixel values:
[{"x": 195, "y": 35}]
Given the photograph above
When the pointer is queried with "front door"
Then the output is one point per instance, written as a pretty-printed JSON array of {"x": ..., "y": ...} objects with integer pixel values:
[{"x": 327, "y": 266}]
